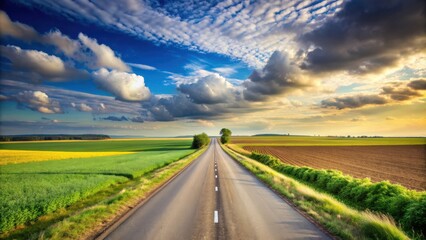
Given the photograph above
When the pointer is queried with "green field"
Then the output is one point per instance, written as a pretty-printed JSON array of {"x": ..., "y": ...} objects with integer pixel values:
[
  {"x": 323, "y": 141},
  {"x": 29, "y": 190},
  {"x": 136, "y": 145}
]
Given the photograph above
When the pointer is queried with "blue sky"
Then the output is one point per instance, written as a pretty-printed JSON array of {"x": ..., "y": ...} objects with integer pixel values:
[{"x": 165, "y": 68}]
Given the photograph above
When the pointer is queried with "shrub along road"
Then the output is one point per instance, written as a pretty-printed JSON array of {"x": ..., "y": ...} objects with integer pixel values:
[{"x": 215, "y": 198}]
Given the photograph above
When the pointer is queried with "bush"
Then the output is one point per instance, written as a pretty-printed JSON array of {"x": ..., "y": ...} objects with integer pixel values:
[
  {"x": 200, "y": 140},
  {"x": 407, "y": 207}
]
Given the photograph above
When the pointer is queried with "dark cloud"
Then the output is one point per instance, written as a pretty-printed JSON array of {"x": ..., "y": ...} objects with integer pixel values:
[
  {"x": 355, "y": 101},
  {"x": 418, "y": 84},
  {"x": 115, "y": 118},
  {"x": 277, "y": 77},
  {"x": 392, "y": 92},
  {"x": 399, "y": 93},
  {"x": 178, "y": 106},
  {"x": 367, "y": 36},
  {"x": 137, "y": 119}
]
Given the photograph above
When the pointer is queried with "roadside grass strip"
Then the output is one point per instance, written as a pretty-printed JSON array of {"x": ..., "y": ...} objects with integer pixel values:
[
  {"x": 339, "y": 219},
  {"x": 23, "y": 156}
]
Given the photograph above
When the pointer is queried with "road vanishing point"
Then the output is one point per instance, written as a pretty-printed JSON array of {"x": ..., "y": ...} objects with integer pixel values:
[{"x": 215, "y": 198}]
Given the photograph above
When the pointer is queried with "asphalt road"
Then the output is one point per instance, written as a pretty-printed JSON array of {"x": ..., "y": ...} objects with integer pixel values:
[{"x": 215, "y": 198}]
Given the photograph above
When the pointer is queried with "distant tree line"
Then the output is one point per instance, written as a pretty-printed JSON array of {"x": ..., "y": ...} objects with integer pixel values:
[
  {"x": 46, "y": 137},
  {"x": 200, "y": 140},
  {"x": 226, "y": 135}
]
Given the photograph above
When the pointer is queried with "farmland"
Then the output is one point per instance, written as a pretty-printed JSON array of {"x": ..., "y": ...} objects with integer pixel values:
[
  {"x": 32, "y": 189},
  {"x": 399, "y": 160}
]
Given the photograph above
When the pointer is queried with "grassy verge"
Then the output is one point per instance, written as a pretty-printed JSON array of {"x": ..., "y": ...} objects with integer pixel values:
[
  {"x": 85, "y": 218},
  {"x": 336, "y": 217}
]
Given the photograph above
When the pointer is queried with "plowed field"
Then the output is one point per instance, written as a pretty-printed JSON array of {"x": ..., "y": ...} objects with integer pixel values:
[{"x": 405, "y": 165}]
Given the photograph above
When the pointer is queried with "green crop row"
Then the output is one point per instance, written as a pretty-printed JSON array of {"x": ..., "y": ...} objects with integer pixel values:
[
  {"x": 25, "y": 197},
  {"x": 128, "y": 165},
  {"x": 29, "y": 190},
  {"x": 407, "y": 207},
  {"x": 101, "y": 145}
]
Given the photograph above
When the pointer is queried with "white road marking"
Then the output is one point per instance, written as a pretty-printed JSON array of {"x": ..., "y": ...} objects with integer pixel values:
[
  {"x": 216, "y": 217},
  {"x": 215, "y": 176},
  {"x": 215, "y": 170},
  {"x": 215, "y": 189}
]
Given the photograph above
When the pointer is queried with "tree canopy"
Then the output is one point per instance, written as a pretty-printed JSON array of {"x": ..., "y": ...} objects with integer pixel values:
[
  {"x": 226, "y": 135},
  {"x": 200, "y": 140}
]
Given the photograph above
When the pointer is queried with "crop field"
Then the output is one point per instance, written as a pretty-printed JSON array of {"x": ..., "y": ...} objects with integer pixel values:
[
  {"x": 34, "y": 188},
  {"x": 21, "y": 156},
  {"x": 323, "y": 141},
  {"x": 399, "y": 160}
]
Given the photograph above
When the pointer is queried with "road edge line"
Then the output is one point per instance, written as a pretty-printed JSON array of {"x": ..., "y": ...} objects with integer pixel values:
[
  {"x": 292, "y": 205},
  {"x": 114, "y": 224}
]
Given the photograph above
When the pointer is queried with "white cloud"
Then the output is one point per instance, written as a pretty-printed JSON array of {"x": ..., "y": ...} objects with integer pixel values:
[
  {"x": 16, "y": 29},
  {"x": 142, "y": 66},
  {"x": 211, "y": 89},
  {"x": 104, "y": 55},
  {"x": 249, "y": 31},
  {"x": 124, "y": 86},
  {"x": 225, "y": 71},
  {"x": 67, "y": 45},
  {"x": 33, "y": 60},
  {"x": 37, "y": 101},
  {"x": 82, "y": 107},
  {"x": 68, "y": 98}
]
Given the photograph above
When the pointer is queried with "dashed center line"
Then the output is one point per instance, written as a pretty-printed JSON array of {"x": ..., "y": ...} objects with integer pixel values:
[
  {"x": 216, "y": 217},
  {"x": 215, "y": 176},
  {"x": 216, "y": 189}
]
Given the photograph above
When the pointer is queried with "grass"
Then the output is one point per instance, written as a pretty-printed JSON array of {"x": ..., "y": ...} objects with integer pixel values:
[
  {"x": 336, "y": 217},
  {"x": 87, "y": 217},
  {"x": 30, "y": 190},
  {"x": 323, "y": 141},
  {"x": 22, "y": 156}
]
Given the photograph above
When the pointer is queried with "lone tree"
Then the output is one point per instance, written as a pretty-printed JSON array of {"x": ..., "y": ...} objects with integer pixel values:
[
  {"x": 226, "y": 135},
  {"x": 200, "y": 140}
]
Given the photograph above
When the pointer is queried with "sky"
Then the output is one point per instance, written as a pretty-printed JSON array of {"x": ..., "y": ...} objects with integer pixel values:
[{"x": 171, "y": 68}]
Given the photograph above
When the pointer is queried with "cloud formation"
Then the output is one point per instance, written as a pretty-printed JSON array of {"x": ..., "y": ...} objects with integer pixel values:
[
  {"x": 391, "y": 93},
  {"x": 65, "y": 98},
  {"x": 367, "y": 36},
  {"x": 142, "y": 66},
  {"x": 278, "y": 77},
  {"x": 37, "y": 101},
  {"x": 210, "y": 89},
  {"x": 82, "y": 107},
  {"x": 104, "y": 55},
  {"x": 246, "y": 30},
  {"x": 124, "y": 86},
  {"x": 40, "y": 65},
  {"x": 16, "y": 29}
]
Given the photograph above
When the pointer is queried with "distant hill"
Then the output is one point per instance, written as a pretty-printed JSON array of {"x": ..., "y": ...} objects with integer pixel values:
[{"x": 47, "y": 137}]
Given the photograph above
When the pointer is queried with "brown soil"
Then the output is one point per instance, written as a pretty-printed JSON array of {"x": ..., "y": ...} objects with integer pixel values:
[{"x": 405, "y": 165}]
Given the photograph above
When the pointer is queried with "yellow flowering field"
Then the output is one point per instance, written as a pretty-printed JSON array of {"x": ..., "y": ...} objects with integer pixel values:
[{"x": 21, "y": 156}]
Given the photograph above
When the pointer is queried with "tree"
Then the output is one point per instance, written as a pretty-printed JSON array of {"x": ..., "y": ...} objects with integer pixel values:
[
  {"x": 226, "y": 135},
  {"x": 200, "y": 140},
  {"x": 225, "y": 131}
]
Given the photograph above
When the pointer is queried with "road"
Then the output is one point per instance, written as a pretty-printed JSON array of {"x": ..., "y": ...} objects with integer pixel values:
[{"x": 215, "y": 198}]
